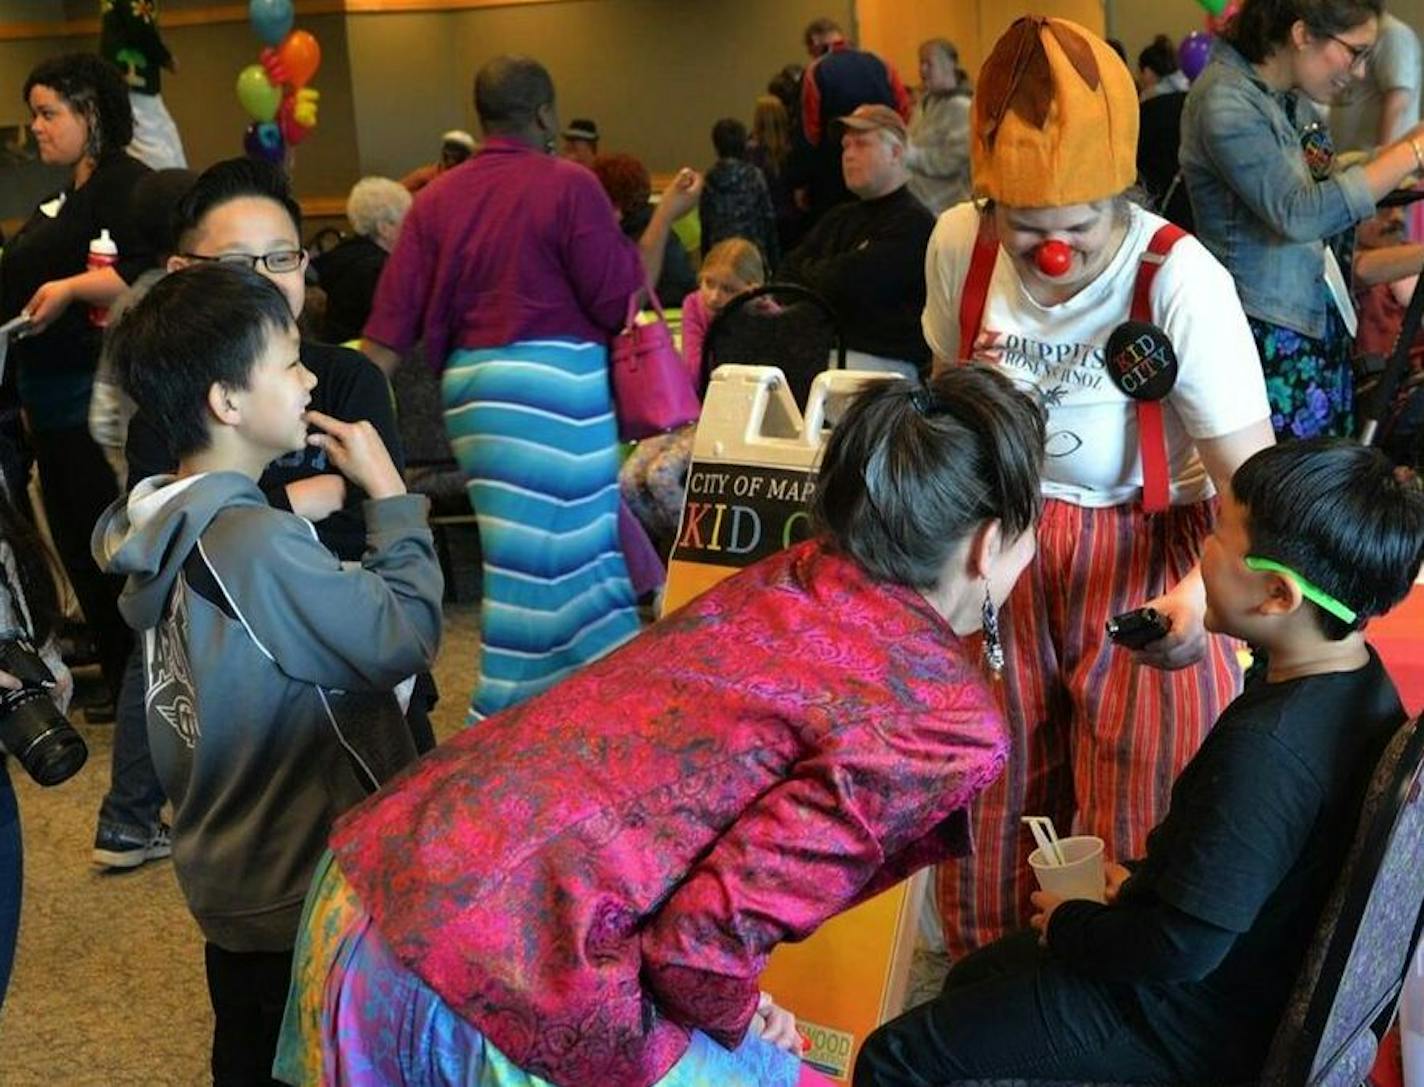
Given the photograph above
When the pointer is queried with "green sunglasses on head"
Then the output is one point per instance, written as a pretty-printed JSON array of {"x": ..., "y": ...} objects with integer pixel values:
[{"x": 1312, "y": 592}]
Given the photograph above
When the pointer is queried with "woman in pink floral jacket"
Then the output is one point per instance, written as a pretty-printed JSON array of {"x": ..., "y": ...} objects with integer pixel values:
[{"x": 583, "y": 890}]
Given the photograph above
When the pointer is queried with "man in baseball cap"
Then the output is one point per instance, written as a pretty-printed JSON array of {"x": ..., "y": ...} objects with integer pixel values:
[{"x": 867, "y": 257}]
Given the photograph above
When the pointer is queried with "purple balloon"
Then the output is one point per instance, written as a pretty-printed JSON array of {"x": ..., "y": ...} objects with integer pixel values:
[
  {"x": 263, "y": 141},
  {"x": 1194, "y": 52}
]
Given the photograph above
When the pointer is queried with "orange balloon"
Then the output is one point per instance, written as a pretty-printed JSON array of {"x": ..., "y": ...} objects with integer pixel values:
[{"x": 301, "y": 56}]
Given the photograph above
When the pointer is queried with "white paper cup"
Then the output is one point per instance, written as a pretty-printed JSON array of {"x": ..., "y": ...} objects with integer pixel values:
[{"x": 1081, "y": 877}]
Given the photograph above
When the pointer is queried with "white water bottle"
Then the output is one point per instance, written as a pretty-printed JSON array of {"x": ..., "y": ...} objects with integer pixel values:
[{"x": 103, "y": 253}]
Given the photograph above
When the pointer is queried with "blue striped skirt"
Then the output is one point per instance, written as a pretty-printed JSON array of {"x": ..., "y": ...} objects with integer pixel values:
[{"x": 532, "y": 427}]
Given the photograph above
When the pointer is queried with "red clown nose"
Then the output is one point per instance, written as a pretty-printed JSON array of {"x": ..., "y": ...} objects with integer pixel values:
[{"x": 1053, "y": 258}]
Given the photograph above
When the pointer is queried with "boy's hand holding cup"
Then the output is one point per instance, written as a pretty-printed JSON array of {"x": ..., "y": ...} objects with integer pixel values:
[
  {"x": 358, "y": 452},
  {"x": 1082, "y": 875}
]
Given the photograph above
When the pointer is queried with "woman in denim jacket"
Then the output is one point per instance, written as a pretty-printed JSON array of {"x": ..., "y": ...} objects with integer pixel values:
[{"x": 1257, "y": 163}]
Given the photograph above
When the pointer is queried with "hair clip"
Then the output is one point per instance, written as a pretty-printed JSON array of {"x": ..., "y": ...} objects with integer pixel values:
[{"x": 927, "y": 403}]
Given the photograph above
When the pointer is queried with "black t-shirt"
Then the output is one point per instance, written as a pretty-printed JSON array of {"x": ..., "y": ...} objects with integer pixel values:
[
  {"x": 349, "y": 274},
  {"x": 348, "y": 387},
  {"x": 1208, "y": 934},
  {"x": 868, "y": 259},
  {"x": 55, "y": 369}
]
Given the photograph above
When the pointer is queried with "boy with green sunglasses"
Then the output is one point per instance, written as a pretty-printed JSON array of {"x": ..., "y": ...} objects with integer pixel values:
[{"x": 1183, "y": 975}]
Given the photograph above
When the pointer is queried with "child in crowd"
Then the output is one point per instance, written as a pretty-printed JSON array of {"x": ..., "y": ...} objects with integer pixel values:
[
  {"x": 653, "y": 477},
  {"x": 735, "y": 199},
  {"x": 269, "y": 665},
  {"x": 1183, "y": 976},
  {"x": 243, "y": 212}
]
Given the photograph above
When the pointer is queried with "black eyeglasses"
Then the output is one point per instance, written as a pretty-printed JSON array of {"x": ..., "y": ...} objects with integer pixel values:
[
  {"x": 278, "y": 262},
  {"x": 1359, "y": 54}
]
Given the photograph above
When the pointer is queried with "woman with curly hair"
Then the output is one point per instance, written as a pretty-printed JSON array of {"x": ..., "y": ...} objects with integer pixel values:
[{"x": 81, "y": 120}]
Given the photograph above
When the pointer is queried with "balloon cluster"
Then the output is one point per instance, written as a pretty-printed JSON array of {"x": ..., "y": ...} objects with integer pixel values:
[
  {"x": 1195, "y": 49},
  {"x": 274, "y": 92}
]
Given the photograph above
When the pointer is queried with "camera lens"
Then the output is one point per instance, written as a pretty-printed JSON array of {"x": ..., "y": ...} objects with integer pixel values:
[{"x": 37, "y": 734}]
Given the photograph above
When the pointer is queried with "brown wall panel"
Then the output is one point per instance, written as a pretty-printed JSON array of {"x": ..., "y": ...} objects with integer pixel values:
[{"x": 655, "y": 74}]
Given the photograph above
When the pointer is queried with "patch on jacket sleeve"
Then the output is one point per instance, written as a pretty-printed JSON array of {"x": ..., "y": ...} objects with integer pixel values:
[{"x": 170, "y": 677}]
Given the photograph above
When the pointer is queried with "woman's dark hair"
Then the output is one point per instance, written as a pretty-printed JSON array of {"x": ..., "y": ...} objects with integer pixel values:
[
  {"x": 1160, "y": 57},
  {"x": 729, "y": 137},
  {"x": 910, "y": 471},
  {"x": 228, "y": 180},
  {"x": 204, "y": 324},
  {"x": 92, "y": 88},
  {"x": 1336, "y": 513},
  {"x": 36, "y": 567},
  {"x": 1263, "y": 26}
]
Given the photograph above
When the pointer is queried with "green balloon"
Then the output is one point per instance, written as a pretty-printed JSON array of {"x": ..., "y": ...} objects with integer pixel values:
[
  {"x": 256, "y": 94},
  {"x": 1213, "y": 7}
]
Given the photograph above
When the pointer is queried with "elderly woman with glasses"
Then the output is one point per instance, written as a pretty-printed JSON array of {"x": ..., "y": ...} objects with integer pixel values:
[
  {"x": 81, "y": 121},
  {"x": 1269, "y": 202}
]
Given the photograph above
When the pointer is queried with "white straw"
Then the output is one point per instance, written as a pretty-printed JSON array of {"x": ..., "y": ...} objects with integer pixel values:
[{"x": 1047, "y": 838}]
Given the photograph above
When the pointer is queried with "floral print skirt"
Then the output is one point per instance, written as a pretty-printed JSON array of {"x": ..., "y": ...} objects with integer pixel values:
[
  {"x": 356, "y": 1017},
  {"x": 1309, "y": 382}
]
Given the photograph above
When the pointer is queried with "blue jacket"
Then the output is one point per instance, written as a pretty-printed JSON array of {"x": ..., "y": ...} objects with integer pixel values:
[{"x": 1257, "y": 207}]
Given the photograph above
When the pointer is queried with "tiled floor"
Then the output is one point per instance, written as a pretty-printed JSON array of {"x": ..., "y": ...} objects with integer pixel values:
[{"x": 108, "y": 988}]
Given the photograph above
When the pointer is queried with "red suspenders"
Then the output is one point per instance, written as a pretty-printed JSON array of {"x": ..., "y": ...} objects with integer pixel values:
[{"x": 1156, "y": 472}]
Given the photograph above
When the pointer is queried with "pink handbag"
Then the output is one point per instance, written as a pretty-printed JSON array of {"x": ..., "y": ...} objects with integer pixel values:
[{"x": 652, "y": 392}]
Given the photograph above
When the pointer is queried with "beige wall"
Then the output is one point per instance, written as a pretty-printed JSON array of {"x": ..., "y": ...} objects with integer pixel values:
[
  {"x": 895, "y": 28},
  {"x": 655, "y": 74}
]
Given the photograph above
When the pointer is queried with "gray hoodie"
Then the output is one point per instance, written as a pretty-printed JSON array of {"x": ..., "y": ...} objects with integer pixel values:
[{"x": 269, "y": 670}]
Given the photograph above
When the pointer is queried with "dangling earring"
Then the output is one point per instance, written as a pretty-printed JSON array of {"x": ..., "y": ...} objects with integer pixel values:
[{"x": 993, "y": 647}]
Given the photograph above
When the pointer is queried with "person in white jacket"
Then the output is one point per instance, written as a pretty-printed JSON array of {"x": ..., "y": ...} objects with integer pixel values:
[{"x": 939, "y": 129}]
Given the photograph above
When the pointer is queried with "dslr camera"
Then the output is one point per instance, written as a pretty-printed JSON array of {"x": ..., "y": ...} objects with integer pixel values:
[{"x": 31, "y": 727}]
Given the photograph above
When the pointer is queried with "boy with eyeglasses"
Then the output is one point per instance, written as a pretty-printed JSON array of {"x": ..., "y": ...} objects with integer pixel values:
[
  {"x": 242, "y": 212},
  {"x": 1183, "y": 975}
]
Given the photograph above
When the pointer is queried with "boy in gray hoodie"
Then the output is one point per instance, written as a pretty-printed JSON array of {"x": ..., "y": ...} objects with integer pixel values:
[{"x": 269, "y": 669}]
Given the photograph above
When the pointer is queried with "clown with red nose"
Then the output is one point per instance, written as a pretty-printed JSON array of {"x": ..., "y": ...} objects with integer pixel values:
[{"x": 1035, "y": 275}]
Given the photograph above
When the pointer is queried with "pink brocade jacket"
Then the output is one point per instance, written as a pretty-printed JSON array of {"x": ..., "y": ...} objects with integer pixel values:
[{"x": 588, "y": 876}]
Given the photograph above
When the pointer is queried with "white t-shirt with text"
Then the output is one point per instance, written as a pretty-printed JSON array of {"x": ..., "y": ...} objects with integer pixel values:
[{"x": 1093, "y": 456}]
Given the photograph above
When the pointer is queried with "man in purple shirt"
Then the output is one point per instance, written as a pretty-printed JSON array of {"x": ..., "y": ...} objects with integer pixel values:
[{"x": 513, "y": 270}]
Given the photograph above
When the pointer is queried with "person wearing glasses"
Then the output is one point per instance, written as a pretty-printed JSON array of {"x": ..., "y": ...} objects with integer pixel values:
[
  {"x": 241, "y": 211},
  {"x": 1271, "y": 205},
  {"x": 1384, "y": 105},
  {"x": 81, "y": 121}
]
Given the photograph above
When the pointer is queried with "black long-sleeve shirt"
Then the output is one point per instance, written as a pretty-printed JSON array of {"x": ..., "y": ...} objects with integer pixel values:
[
  {"x": 1208, "y": 934},
  {"x": 349, "y": 388},
  {"x": 868, "y": 259}
]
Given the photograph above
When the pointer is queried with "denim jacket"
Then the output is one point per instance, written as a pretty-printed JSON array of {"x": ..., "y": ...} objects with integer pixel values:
[{"x": 1257, "y": 207}]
